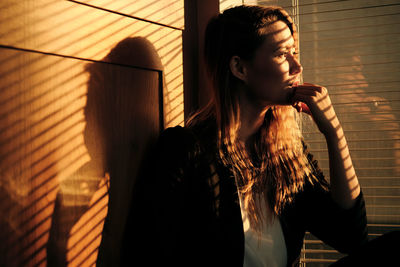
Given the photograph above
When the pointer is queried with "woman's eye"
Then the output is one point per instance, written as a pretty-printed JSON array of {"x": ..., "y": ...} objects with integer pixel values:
[{"x": 284, "y": 54}]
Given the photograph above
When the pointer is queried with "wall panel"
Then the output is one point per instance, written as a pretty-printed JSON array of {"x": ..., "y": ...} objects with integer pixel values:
[
  {"x": 84, "y": 92},
  {"x": 71, "y": 29}
]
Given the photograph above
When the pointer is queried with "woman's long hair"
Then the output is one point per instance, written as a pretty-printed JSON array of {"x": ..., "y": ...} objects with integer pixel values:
[{"x": 278, "y": 166}]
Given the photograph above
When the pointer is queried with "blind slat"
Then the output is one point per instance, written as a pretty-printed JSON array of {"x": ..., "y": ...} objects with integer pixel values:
[
  {"x": 351, "y": 28},
  {"x": 310, "y": 4},
  {"x": 360, "y": 140},
  {"x": 369, "y": 92},
  {"x": 352, "y": 18},
  {"x": 356, "y": 65},
  {"x": 354, "y": 37}
]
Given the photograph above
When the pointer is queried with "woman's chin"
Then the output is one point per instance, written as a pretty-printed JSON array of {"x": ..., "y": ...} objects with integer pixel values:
[
  {"x": 277, "y": 102},
  {"x": 283, "y": 99}
]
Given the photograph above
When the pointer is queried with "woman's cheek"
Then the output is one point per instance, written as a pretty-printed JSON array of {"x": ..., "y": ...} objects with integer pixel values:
[
  {"x": 267, "y": 82},
  {"x": 271, "y": 83},
  {"x": 284, "y": 67},
  {"x": 270, "y": 90}
]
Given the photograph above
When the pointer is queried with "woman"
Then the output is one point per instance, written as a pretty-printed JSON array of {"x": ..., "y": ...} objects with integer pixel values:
[{"x": 237, "y": 185}]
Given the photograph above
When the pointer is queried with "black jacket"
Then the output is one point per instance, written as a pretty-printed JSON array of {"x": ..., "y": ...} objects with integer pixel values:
[{"x": 181, "y": 217}]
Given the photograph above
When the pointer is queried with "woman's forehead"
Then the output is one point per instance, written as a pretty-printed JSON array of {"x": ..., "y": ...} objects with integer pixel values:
[{"x": 277, "y": 35}]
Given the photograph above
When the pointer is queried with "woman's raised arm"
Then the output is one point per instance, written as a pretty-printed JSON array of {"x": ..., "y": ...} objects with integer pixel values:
[{"x": 343, "y": 178}]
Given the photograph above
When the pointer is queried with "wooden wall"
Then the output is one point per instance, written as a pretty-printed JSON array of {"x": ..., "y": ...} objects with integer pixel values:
[{"x": 85, "y": 87}]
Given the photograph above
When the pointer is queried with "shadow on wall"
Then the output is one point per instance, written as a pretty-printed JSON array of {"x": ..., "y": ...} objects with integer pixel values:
[{"x": 123, "y": 119}]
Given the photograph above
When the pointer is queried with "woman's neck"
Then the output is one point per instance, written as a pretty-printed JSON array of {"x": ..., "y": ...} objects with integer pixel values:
[{"x": 252, "y": 114}]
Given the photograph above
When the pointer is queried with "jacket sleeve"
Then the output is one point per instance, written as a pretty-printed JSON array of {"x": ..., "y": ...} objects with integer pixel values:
[
  {"x": 343, "y": 229},
  {"x": 155, "y": 231}
]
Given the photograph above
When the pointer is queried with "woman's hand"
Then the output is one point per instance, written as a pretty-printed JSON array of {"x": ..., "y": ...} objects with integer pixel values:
[{"x": 314, "y": 100}]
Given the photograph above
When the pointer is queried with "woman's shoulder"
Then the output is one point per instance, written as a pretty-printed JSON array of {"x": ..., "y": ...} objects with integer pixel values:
[
  {"x": 186, "y": 140},
  {"x": 200, "y": 131},
  {"x": 177, "y": 139},
  {"x": 176, "y": 134}
]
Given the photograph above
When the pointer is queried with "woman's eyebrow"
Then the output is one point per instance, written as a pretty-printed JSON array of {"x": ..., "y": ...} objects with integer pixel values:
[{"x": 284, "y": 46}]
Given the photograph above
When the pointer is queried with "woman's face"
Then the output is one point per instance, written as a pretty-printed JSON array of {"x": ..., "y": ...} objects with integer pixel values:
[{"x": 274, "y": 67}]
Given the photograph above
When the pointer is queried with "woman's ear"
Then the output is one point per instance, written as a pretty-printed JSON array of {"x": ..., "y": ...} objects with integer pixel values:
[{"x": 238, "y": 68}]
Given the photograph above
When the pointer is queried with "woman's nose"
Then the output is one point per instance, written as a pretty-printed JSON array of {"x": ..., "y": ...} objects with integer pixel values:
[{"x": 295, "y": 66}]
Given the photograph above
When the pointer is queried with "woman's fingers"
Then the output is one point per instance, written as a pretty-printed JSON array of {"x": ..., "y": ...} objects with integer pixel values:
[
  {"x": 315, "y": 101},
  {"x": 307, "y": 90},
  {"x": 303, "y": 97},
  {"x": 301, "y": 107},
  {"x": 305, "y": 108},
  {"x": 300, "y": 96}
]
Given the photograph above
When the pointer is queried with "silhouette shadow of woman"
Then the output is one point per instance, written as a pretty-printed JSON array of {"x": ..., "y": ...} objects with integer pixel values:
[{"x": 123, "y": 119}]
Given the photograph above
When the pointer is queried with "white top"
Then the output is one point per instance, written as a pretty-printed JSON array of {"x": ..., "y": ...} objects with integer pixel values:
[{"x": 272, "y": 249}]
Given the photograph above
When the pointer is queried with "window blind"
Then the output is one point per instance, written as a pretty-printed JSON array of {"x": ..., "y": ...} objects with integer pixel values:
[{"x": 351, "y": 48}]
